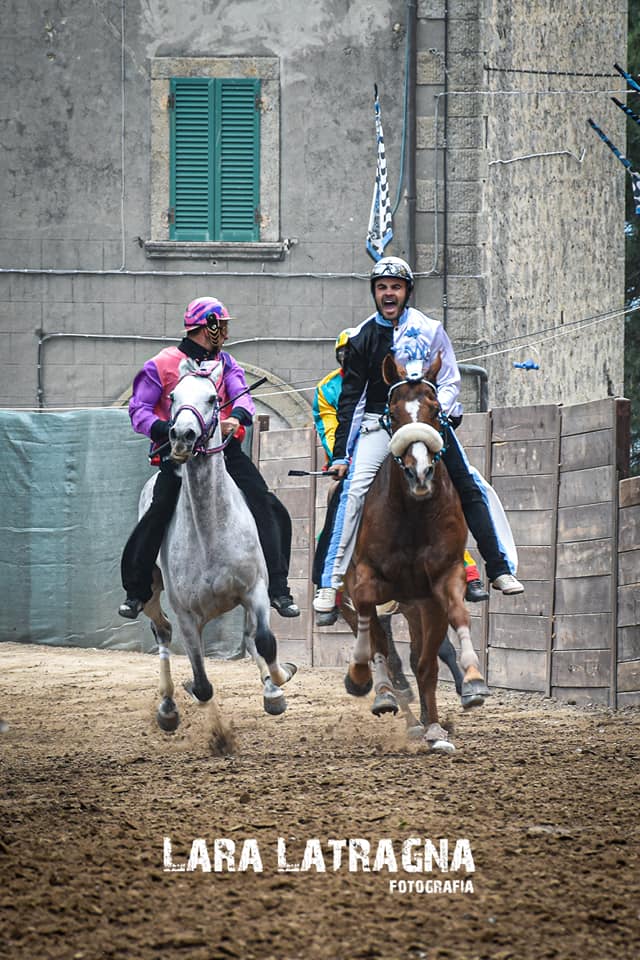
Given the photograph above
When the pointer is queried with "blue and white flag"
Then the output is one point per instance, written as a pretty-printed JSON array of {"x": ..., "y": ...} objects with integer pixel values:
[
  {"x": 635, "y": 176},
  {"x": 627, "y": 76},
  {"x": 380, "y": 229}
]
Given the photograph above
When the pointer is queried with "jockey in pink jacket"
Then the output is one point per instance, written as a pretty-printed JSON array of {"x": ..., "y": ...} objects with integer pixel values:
[{"x": 205, "y": 321}]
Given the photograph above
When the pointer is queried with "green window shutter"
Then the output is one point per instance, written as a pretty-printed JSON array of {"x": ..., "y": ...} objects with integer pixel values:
[
  {"x": 237, "y": 153},
  {"x": 214, "y": 159},
  {"x": 191, "y": 178}
]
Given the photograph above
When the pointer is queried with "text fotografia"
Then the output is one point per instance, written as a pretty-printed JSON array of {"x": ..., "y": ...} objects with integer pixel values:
[
  {"x": 415, "y": 855},
  {"x": 431, "y": 886}
]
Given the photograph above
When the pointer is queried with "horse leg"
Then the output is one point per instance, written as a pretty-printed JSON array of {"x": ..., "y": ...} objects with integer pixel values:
[
  {"x": 447, "y": 654},
  {"x": 262, "y": 646},
  {"x": 434, "y": 629},
  {"x": 474, "y": 689},
  {"x": 415, "y": 727},
  {"x": 401, "y": 685},
  {"x": 167, "y": 714},
  {"x": 357, "y": 680},
  {"x": 199, "y": 689},
  {"x": 385, "y": 700}
]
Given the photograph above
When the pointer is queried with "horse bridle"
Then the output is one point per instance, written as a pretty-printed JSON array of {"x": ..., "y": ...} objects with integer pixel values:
[
  {"x": 206, "y": 429},
  {"x": 385, "y": 423}
]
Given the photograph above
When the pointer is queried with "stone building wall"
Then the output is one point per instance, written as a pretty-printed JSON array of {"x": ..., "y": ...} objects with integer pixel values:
[
  {"x": 535, "y": 201},
  {"x": 531, "y": 244}
]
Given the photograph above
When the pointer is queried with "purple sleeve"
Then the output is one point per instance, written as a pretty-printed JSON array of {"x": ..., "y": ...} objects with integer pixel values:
[
  {"x": 235, "y": 383},
  {"x": 147, "y": 391}
]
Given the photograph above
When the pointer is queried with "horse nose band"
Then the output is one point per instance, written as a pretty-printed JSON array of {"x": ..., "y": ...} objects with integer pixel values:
[
  {"x": 385, "y": 423},
  {"x": 207, "y": 428}
]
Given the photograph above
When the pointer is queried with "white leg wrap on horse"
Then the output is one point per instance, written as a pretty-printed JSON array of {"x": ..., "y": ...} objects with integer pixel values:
[
  {"x": 166, "y": 683},
  {"x": 362, "y": 646},
  {"x": 381, "y": 680},
  {"x": 468, "y": 657}
]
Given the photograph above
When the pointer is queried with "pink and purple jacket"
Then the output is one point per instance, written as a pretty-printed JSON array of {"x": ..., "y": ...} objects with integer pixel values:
[{"x": 151, "y": 388}]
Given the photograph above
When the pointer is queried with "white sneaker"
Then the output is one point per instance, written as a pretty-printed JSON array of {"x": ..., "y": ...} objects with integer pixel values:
[
  {"x": 507, "y": 584},
  {"x": 324, "y": 600}
]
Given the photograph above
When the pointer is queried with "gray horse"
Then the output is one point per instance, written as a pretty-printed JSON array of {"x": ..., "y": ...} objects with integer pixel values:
[{"x": 210, "y": 559}]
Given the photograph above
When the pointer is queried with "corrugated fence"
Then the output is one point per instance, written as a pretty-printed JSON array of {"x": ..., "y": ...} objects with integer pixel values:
[
  {"x": 559, "y": 471},
  {"x": 70, "y": 486}
]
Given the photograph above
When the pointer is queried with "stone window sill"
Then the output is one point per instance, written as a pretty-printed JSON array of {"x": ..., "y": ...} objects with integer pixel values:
[{"x": 177, "y": 250}]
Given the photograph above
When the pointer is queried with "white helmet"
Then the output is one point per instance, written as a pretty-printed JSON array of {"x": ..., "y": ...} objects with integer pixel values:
[{"x": 393, "y": 267}]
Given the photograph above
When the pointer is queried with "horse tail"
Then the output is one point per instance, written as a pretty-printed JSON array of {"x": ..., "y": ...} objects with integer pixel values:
[{"x": 265, "y": 640}]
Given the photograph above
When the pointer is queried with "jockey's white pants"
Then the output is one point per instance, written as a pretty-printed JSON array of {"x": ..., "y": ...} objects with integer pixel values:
[{"x": 371, "y": 449}]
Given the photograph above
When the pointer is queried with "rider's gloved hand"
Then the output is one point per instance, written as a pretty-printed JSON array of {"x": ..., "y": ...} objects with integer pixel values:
[
  {"x": 339, "y": 469},
  {"x": 159, "y": 431}
]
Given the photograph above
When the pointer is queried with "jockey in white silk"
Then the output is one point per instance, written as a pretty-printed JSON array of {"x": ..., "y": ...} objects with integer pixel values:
[{"x": 360, "y": 438}]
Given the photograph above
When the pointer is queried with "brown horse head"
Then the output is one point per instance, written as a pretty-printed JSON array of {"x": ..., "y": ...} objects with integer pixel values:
[{"x": 416, "y": 432}]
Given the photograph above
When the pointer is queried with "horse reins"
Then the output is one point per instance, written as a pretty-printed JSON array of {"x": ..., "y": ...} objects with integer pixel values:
[{"x": 206, "y": 431}]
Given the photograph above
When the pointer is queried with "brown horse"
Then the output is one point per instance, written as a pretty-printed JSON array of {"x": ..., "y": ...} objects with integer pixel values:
[{"x": 410, "y": 548}]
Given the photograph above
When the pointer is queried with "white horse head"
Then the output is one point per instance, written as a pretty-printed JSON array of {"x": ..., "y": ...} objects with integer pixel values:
[{"x": 194, "y": 408}]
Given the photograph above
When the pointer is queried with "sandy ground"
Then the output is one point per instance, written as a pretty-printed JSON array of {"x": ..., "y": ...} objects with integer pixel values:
[{"x": 547, "y": 796}]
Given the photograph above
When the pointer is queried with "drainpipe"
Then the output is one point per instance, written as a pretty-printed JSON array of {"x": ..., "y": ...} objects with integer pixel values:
[
  {"x": 483, "y": 376},
  {"x": 412, "y": 28}
]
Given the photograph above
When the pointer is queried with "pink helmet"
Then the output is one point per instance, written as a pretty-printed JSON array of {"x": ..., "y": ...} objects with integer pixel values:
[{"x": 198, "y": 312}]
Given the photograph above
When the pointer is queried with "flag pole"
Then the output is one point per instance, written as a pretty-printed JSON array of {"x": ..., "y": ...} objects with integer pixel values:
[{"x": 411, "y": 137}]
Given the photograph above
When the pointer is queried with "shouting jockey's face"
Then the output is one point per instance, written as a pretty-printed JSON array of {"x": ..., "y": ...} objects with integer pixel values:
[{"x": 390, "y": 294}]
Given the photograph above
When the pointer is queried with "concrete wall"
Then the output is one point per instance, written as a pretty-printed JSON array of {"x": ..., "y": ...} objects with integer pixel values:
[{"x": 530, "y": 245}]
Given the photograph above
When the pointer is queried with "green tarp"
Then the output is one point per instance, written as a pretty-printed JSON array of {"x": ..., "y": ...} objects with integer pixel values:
[{"x": 70, "y": 484}]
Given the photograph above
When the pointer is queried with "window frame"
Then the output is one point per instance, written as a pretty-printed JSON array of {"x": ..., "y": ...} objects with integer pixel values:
[{"x": 269, "y": 246}]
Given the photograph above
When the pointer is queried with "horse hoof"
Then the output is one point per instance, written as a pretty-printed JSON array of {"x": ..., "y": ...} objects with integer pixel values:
[
  {"x": 356, "y": 689},
  {"x": 273, "y": 699},
  {"x": 189, "y": 688},
  {"x": 384, "y": 703},
  {"x": 437, "y": 740},
  {"x": 474, "y": 693},
  {"x": 274, "y": 707},
  {"x": 167, "y": 716}
]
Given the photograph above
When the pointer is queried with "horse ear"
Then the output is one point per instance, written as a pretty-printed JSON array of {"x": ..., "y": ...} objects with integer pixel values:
[
  {"x": 187, "y": 366},
  {"x": 434, "y": 369},
  {"x": 391, "y": 372},
  {"x": 214, "y": 370}
]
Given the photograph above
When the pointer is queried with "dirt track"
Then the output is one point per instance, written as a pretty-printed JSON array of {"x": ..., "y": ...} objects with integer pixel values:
[{"x": 547, "y": 795}]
